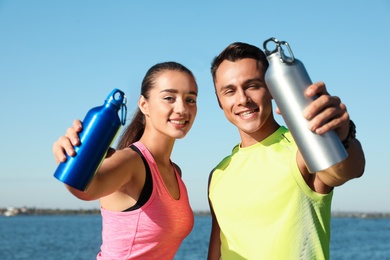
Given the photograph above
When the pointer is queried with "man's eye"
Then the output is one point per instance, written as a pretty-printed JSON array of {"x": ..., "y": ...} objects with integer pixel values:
[
  {"x": 191, "y": 100},
  {"x": 229, "y": 91},
  {"x": 254, "y": 86}
]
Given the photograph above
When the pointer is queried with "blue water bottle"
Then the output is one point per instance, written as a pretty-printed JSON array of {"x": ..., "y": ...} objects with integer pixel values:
[{"x": 100, "y": 126}]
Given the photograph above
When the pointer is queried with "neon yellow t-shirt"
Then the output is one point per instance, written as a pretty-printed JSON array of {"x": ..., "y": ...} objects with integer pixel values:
[{"x": 264, "y": 207}]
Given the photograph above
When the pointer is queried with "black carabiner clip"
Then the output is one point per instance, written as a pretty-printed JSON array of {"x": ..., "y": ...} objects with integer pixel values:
[
  {"x": 268, "y": 52},
  {"x": 124, "y": 111}
]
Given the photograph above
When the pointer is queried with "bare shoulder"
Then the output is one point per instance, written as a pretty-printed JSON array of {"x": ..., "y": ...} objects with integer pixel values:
[{"x": 126, "y": 161}]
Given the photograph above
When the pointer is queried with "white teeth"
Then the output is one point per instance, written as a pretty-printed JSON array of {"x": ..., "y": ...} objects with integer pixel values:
[
  {"x": 181, "y": 122},
  {"x": 246, "y": 113}
]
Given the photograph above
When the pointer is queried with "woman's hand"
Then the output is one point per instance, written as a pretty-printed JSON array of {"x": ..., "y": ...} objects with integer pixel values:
[{"x": 65, "y": 144}]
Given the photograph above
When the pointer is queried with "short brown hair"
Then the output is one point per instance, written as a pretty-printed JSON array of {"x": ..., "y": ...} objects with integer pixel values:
[{"x": 238, "y": 51}]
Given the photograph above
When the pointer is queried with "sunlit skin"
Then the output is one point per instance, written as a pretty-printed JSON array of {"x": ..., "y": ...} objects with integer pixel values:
[{"x": 245, "y": 99}]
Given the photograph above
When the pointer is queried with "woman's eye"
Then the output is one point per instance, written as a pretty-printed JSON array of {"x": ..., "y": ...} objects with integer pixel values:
[{"x": 169, "y": 98}]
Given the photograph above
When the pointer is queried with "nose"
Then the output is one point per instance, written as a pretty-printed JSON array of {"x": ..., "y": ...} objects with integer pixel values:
[
  {"x": 180, "y": 107},
  {"x": 242, "y": 97}
]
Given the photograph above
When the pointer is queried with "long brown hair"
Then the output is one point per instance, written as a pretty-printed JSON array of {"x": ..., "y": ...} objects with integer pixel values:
[{"x": 136, "y": 128}]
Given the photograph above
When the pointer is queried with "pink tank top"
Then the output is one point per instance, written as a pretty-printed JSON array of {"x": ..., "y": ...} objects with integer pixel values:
[{"x": 154, "y": 231}]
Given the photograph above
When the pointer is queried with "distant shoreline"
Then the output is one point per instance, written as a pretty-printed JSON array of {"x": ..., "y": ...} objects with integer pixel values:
[{"x": 24, "y": 211}]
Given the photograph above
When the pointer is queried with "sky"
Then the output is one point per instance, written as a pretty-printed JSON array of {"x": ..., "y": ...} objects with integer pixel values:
[{"x": 58, "y": 59}]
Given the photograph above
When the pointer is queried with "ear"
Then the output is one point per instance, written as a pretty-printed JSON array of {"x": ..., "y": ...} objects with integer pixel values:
[{"x": 143, "y": 105}]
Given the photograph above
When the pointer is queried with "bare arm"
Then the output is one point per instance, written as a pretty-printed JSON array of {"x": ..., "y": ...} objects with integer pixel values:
[{"x": 215, "y": 241}]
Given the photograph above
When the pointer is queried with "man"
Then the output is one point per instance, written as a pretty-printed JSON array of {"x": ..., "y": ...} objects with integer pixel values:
[{"x": 264, "y": 202}]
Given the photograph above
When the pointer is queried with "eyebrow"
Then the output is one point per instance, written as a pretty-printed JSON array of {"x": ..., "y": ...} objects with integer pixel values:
[{"x": 175, "y": 91}]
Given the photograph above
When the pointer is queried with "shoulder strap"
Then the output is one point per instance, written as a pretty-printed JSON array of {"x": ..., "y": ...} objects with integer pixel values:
[{"x": 148, "y": 186}]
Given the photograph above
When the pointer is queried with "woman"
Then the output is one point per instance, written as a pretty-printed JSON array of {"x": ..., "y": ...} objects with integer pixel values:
[{"x": 144, "y": 203}]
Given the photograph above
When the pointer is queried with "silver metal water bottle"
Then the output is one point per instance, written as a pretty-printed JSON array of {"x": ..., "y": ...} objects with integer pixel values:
[
  {"x": 287, "y": 79},
  {"x": 100, "y": 126}
]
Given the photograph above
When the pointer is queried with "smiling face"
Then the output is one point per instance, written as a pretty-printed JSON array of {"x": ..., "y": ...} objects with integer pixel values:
[
  {"x": 245, "y": 99},
  {"x": 171, "y": 106}
]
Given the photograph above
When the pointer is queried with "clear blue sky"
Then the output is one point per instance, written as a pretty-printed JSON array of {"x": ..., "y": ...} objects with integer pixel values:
[{"x": 60, "y": 58}]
